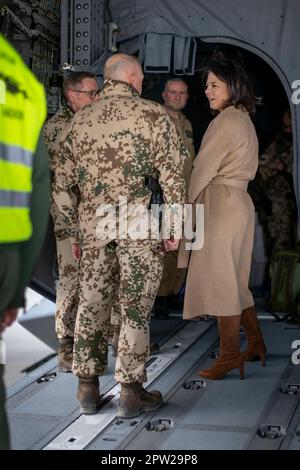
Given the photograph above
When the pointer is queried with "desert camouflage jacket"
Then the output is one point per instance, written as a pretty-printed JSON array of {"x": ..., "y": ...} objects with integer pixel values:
[
  {"x": 276, "y": 158},
  {"x": 107, "y": 150},
  {"x": 185, "y": 131},
  {"x": 53, "y": 130}
]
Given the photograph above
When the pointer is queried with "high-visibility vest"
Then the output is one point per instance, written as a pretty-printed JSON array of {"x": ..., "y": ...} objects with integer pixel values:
[{"x": 22, "y": 114}]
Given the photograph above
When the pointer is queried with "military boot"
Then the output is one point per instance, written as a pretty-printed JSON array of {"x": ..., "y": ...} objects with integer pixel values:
[
  {"x": 256, "y": 348},
  {"x": 65, "y": 354},
  {"x": 134, "y": 399},
  {"x": 88, "y": 394}
]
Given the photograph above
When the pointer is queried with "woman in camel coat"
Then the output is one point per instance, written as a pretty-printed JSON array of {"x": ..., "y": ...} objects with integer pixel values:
[{"x": 218, "y": 274}]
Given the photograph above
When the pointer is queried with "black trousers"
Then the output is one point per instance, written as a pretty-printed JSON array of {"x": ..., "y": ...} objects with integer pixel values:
[{"x": 9, "y": 273}]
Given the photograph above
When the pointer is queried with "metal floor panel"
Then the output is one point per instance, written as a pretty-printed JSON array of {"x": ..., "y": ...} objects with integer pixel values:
[
  {"x": 85, "y": 429},
  {"x": 121, "y": 432},
  {"x": 39, "y": 410},
  {"x": 32, "y": 377},
  {"x": 223, "y": 414},
  {"x": 293, "y": 440},
  {"x": 235, "y": 402},
  {"x": 227, "y": 413},
  {"x": 47, "y": 407},
  {"x": 295, "y": 444},
  {"x": 204, "y": 440},
  {"x": 29, "y": 433}
]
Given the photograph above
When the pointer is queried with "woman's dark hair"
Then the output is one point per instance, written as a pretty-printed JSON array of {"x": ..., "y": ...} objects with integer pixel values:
[{"x": 240, "y": 87}]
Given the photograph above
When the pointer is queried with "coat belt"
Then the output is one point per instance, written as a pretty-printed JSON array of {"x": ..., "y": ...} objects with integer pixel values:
[{"x": 239, "y": 184}]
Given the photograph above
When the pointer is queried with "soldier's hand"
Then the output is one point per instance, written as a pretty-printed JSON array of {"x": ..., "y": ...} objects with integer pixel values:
[
  {"x": 76, "y": 250},
  {"x": 9, "y": 318},
  {"x": 171, "y": 245}
]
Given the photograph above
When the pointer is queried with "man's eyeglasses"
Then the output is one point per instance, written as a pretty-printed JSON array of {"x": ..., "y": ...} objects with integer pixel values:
[{"x": 92, "y": 93}]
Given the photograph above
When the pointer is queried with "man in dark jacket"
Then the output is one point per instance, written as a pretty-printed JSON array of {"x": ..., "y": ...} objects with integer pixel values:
[{"x": 24, "y": 193}]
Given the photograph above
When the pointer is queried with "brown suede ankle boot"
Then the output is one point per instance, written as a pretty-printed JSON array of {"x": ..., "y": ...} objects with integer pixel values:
[
  {"x": 230, "y": 356},
  {"x": 88, "y": 395},
  {"x": 65, "y": 354},
  {"x": 256, "y": 348},
  {"x": 134, "y": 399},
  {"x": 224, "y": 364}
]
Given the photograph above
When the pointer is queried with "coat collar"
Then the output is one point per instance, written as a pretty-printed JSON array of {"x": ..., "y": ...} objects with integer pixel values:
[
  {"x": 117, "y": 88},
  {"x": 232, "y": 107}
]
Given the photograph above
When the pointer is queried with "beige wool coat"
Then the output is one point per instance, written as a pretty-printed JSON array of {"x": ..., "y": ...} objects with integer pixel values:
[{"x": 218, "y": 274}]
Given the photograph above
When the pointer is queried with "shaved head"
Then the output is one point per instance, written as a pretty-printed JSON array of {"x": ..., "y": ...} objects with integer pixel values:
[
  {"x": 124, "y": 68},
  {"x": 118, "y": 65}
]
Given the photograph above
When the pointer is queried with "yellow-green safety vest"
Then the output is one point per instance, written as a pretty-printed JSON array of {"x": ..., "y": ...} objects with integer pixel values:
[{"x": 22, "y": 114}]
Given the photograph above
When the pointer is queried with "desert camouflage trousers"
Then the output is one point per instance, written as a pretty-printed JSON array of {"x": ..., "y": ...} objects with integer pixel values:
[
  {"x": 67, "y": 295},
  {"x": 115, "y": 316},
  {"x": 172, "y": 277},
  {"x": 133, "y": 272}
]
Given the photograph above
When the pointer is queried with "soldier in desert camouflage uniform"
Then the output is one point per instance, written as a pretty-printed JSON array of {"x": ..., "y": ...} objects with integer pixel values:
[
  {"x": 80, "y": 89},
  {"x": 276, "y": 172},
  {"x": 175, "y": 96},
  {"x": 109, "y": 148}
]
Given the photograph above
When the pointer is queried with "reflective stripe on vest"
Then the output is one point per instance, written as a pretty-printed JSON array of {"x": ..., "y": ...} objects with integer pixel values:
[
  {"x": 14, "y": 199},
  {"x": 22, "y": 116},
  {"x": 14, "y": 154}
]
